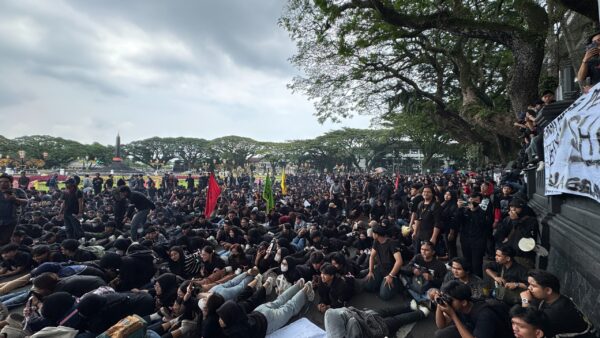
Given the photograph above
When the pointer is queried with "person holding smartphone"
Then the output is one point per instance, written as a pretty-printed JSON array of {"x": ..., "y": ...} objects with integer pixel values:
[{"x": 590, "y": 65}]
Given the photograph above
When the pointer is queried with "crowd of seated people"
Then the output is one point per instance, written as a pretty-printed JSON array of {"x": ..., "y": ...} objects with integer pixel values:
[{"x": 446, "y": 246}]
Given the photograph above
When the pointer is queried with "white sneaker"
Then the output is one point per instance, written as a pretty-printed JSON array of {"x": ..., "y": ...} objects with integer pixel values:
[
  {"x": 300, "y": 282},
  {"x": 238, "y": 271},
  {"x": 424, "y": 309},
  {"x": 413, "y": 305},
  {"x": 228, "y": 269},
  {"x": 310, "y": 293},
  {"x": 258, "y": 279}
]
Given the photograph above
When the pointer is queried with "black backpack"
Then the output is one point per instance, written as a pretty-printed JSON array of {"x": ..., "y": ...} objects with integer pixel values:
[{"x": 371, "y": 324}]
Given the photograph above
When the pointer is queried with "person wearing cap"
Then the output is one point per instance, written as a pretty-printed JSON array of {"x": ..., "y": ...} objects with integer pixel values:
[
  {"x": 72, "y": 209},
  {"x": 385, "y": 262},
  {"x": 510, "y": 277},
  {"x": 515, "y": 227},
  {"x": 590, "y": 64}
]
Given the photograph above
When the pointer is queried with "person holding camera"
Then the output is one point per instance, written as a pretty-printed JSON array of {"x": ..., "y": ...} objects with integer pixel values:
[
  {"x": 590, "y": 65},
  {"x": 458, "y": 315},
  {"x": 425, "y": 272}
]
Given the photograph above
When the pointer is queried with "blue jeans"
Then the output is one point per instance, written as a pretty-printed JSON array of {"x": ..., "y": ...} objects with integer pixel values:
[
  {"x": 298, "y": 243},
  {"x": 73, "y": 227},
  {"x": 282, "y": 309},
  {"x": 137, "y": 223},
  {"x": 15, "y": 299},
  {"x": 232, "y": 288},
  {"x": 378, "y": 283}
]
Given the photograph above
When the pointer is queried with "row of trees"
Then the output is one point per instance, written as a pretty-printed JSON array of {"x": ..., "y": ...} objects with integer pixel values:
[{"x": 352, "y": 148}]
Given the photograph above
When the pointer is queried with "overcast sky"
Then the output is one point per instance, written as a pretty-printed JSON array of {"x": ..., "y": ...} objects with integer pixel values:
[{"x": 85, "y": 69}]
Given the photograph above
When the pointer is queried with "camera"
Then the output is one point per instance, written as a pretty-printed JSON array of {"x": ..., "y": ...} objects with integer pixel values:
[{"x": 443, "y": 299}]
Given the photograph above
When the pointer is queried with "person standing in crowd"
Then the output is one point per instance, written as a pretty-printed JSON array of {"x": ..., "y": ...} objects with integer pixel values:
[
  {"x": 10, "y": 199},
  {"x": 23, "y": 181},
  {"x": 428, "y": 223},
  {"x": 72, "y": 209},
  {"x": 474, "y": 225},
  {"x": 97, "y": 183}
]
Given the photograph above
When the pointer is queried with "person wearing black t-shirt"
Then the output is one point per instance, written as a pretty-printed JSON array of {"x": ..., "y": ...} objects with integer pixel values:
[
  {"x": 457, "y": 315},
  {"x": 14, "y": 261},
  {"x": 143, "y": 206},
  {"x": 564, "y": 318},
  {"x": 72, "y": 209},
  {"x": 428, "y": 222},
  {"x": 383, "y": 276}
]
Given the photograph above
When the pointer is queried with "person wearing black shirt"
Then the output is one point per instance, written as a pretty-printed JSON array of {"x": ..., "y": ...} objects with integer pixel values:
[
  {"x": 383, "y": 276},
  {"x": 108, "y": 184},
  {"x": 428, "y": 223},
  {"x": 509, "y": 276},
  {"x": 9, "y": 200},
  {"x": 334, "y": 290},
  {"x": 474, "y": 224},
  {"x": 457, "y": 315},
  {"x": 190, "y": 183},
  {"x": 72, "y": 209},
  {"x": 97, "y": 183},
  {"x": 143, "y": 206},
  {"x": 564, "y": 318},
  {"x": 23, "y": 181},
  {"x": 14, "y": 261}
]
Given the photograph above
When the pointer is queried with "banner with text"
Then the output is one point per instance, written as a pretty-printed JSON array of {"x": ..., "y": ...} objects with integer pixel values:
[{"x": 572, "y": 149}]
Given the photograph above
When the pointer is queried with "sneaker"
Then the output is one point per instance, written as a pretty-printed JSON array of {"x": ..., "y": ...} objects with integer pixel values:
[
  {"x": 300, "y": 282},
  {"x": 310, "y": 293},
  {"x": 259, "y": 279},
  {"x": 228, "y": 269},
  {"x": 540, "y": 166},
  {"x": 425, "y": 310},
  {"x": 413, "y": 305},
  {"x": 269, "y": 285},
  {"x": 238, "y": 271},
  {"x": 254, "y": 271}
]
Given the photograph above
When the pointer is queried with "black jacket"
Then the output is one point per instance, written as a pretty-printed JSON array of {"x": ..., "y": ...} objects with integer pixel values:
[
  {"x": 100, "y": 312},
  {"x": 238, "y": 324},
  {"x": 338, "y": 293}
]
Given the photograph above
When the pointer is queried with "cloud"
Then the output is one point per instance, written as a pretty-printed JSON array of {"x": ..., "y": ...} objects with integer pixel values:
[{"x": 84, "y": 69}]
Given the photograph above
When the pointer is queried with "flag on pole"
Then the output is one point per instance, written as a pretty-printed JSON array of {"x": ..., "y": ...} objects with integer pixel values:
[
  {"x": 397, "y": 181},
  {"x": 283, "y": 186},
  {"x": 267, "y": 194},
  {"x": 212, "y": 195}
]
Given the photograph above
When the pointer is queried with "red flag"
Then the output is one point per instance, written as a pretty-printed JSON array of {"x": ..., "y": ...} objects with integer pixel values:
[
  {"x": 212, "y": 195},
  {"x": 397, "y": 181}
]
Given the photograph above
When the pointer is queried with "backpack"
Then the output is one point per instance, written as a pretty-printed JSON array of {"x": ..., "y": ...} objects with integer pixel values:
[
  {"x": 371, "y": 324},
  {"x": 129, "y": 327},
  {"x": 97, "y": 250}
]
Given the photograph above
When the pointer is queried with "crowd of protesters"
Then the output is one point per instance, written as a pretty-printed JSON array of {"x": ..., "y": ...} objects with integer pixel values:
[{"x": 457, "y": 245}]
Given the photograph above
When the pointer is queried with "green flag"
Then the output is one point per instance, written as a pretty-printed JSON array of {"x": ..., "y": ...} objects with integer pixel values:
[{"x": 267, "y": 194}]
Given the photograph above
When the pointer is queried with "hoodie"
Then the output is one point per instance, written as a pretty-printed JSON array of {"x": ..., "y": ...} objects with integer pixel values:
[{"x": 240, "y": 325}]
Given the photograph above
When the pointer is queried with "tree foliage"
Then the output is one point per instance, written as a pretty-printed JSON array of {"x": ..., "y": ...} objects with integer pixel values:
[{"x": 477, "y": 62}]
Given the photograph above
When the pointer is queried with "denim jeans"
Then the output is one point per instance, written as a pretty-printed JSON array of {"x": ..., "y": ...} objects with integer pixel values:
[
  {"x": 339, "y": 324},
  {"x": 15, "y": 299},
  {"x": 232, "y": 288},
  {"x": 137, "y": 223},
  {"x": 282, "y": 309},
  {"x": 378, "y": 283},
  {"x": 73, "y": 227}
]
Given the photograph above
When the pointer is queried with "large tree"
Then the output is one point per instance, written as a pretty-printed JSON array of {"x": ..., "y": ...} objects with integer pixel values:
[
  {"x": 234, "y": 149},
  {"x": 478, "y": 62},
  {"x": 153, "y": 151}
]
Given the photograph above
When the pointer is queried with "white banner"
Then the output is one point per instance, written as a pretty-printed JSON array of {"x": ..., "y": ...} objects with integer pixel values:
[{"x": 572, "y": 149}]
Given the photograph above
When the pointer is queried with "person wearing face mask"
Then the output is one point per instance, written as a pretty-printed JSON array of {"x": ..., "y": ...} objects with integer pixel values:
[
  {"x": 474, "y": 225},
  {"x": 289, "y": 274}
]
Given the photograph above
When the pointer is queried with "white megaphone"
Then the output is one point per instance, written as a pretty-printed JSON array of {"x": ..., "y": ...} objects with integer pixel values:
[{"x": 527, "y": 244}]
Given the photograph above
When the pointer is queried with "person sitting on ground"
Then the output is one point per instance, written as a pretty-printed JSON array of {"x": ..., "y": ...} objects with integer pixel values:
[
  {"x": 564, "y": 318},
  {"x": 528, "y": 322},
  {"x": 460, "y": 270},
  {"x": 268, "y": 317},
  {"x": 334, "y": 290},
  {"x": 510, "y": 277},
  {"x": 458, "y": 315},
  {"x": 425, "y": 272},
  {"x": 383, "y": 276},
  {"x": 14, "y": 261}
]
